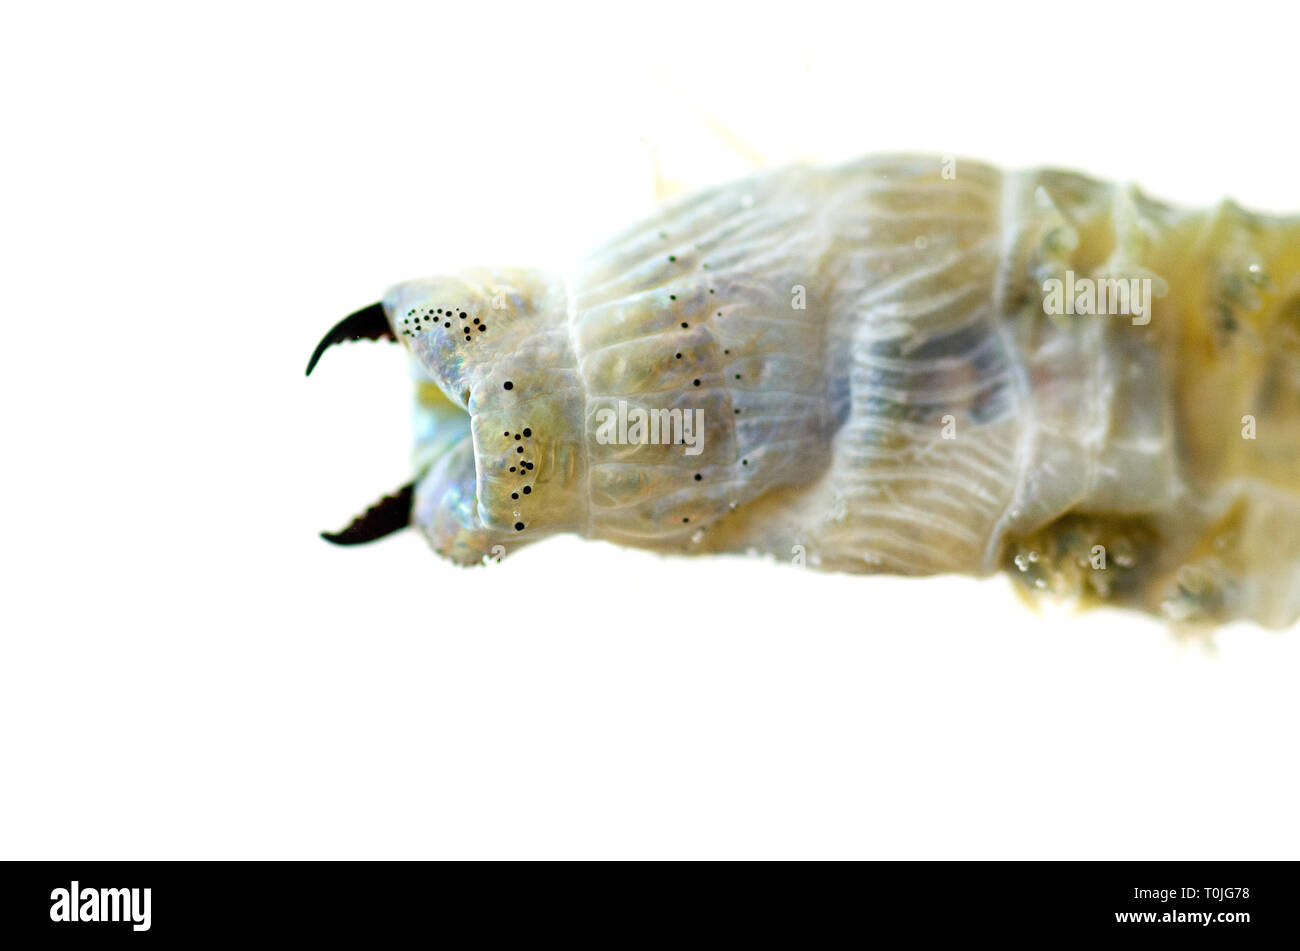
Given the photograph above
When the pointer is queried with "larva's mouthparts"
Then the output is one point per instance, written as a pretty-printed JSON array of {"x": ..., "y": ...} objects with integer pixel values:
[
  {"x": 498, "y": 432},
  {"x": 390, "y": 514},
  {"x": 368, "y": 323}
]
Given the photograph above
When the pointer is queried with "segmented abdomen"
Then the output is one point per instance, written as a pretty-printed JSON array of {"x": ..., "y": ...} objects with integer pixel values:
[{"x": 882, "y": 387}]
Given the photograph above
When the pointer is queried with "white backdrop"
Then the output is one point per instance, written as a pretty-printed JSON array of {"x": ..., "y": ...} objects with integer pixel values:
[{"x": 192, "y": 196}]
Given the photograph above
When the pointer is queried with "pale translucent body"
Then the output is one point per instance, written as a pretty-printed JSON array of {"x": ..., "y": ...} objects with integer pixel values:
[{"x": 882, "y": 390}]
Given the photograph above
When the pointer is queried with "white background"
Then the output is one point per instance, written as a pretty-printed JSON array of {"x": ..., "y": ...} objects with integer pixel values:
[{"x": 192, "y": 196}]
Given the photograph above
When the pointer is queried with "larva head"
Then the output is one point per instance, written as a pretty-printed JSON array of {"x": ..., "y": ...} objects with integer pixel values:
[{"x": 498, "y": 410}]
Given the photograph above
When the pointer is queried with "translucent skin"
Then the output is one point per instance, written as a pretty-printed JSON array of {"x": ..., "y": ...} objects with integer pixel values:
[
  {"x": 879, "y": 386},
  {"x": 519, "y": 374}
]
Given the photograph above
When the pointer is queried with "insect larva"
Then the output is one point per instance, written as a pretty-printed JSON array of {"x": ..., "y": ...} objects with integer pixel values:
[{"x": 896, "y": 365}]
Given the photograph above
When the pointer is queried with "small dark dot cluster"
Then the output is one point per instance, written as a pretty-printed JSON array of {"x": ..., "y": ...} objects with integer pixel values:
[
  {"x": 418, "y": 320},
  {"x": 677, "y": 356},
  {"x": 521, "y": 466}
]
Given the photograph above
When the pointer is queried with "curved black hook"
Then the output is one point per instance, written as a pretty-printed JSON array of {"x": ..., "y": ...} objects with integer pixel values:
[
  {"x": 369, "y": 323},
  {"x": 390, "y": 514}
]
